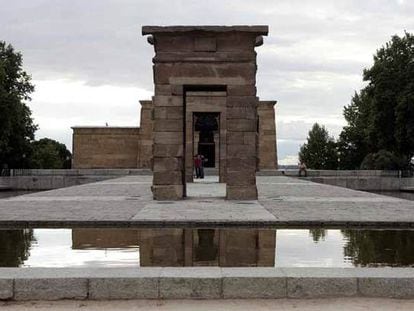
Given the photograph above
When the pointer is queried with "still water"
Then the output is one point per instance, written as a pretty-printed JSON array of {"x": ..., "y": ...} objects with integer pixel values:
[{"x": 206, "y": 247}]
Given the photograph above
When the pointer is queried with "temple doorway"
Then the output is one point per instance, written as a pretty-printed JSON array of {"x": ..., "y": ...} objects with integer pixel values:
[{"x": 206, "y": 137}]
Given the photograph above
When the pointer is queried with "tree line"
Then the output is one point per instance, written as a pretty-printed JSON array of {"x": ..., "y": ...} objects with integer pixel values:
[
  {"x": 18, "y": 147},
  {"x": 380, "y": 118}
]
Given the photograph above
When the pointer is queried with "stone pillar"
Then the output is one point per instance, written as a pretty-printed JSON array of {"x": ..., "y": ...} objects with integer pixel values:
[
  {"x": 168, "y": 160},
  {"x": 241, "y": 147},
  {"x": 267, "y": 135},
  {"x": 145, "y": 135}
]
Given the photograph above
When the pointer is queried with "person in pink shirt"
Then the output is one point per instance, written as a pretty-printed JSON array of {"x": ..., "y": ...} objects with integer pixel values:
[{"x": 197, "y": 165}]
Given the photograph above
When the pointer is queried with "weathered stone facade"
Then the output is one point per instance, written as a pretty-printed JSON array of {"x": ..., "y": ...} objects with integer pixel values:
[
  {"x": 205, "y": 73},
  {"x": 105, "y": 147}
]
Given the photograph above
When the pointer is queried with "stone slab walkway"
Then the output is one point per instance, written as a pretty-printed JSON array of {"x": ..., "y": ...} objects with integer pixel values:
[
  {"x": 337, "y": 304},
  {"x": 283, "y": 202}
]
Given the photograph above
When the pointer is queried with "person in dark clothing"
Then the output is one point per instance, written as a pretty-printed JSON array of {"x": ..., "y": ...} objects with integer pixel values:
[{"x": 202, "y": 161}]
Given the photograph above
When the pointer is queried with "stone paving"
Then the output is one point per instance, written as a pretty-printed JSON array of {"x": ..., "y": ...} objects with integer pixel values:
[
  {"x": 337, "y": 304},
  {"x": 283, "y": 201}
]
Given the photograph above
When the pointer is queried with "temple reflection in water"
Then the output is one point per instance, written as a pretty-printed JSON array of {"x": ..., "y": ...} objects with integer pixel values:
[
  {"x": 187, "y": 247},
  {"x": 205, "y": 247}
]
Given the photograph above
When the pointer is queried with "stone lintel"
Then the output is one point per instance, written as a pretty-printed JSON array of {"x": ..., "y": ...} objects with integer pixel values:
[
  {"x": 267, "y": 103},
  {"x": 146, "y": 104},
  {"x": 206, "y": 94},
  {"x": 256, "y": 29},
  {"x": 205, "y": 57}
]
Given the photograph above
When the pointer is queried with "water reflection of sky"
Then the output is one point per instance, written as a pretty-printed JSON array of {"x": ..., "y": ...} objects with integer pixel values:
[
  {"x": 53, "y": 248},
  {"x": 296, "y": 248}
]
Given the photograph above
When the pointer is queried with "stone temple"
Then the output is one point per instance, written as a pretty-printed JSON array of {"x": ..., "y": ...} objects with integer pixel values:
[{"x": 204, "y": 102}]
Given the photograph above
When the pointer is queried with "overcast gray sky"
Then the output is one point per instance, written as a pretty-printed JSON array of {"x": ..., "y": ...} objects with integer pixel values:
[{"x": 91, "y": 65}]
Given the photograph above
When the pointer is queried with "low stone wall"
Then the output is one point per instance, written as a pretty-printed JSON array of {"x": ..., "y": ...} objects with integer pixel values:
[
  {"x": 37, "y": 179},
  {"x": 203, "y": 283},
  {"x": 77, "y": 172},
  {"x": 361, "y": 183},
  {"x": 407, "y": 183},
  {"x": 46, "y": 179},
  {"x": 365, "y": 180},
  {"x": 330, "y": 173}
]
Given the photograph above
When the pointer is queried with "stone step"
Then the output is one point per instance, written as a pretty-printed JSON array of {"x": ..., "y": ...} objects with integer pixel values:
[{"x": 203, "y": 283}]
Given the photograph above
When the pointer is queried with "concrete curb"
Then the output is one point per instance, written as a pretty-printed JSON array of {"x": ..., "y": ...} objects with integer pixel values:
[
  {"x": 203, "y": 283},
  {"x": 261, "y": 224}
]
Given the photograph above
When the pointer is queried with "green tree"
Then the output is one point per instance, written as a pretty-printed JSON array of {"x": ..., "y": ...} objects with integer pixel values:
[
  {"x": 15, "y": 246},
  {"x": 318, "y": 234},
  {"x": 391, "y": 89},
  {"x": 48, "y": 153},
  {"x": 16, "y": 124},
  {"x": 375, "y": 248},
  {"x": 382, "y": 160},
  {"x": 319, "y": 152},
  {"x": 381, "y": 116},
  {"x": 353, "y": 142}
]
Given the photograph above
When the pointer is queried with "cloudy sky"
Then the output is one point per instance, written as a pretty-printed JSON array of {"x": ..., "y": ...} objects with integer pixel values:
[{"x": 91, "y": 65}]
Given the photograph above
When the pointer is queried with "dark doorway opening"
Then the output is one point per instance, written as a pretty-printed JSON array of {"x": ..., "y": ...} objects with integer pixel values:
[{"x": 206, "y": 126}]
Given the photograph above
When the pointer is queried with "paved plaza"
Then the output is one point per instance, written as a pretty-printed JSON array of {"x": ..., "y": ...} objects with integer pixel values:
[
  {"x": 337, "y": 304},
  {"x": 283, "y": 201}
]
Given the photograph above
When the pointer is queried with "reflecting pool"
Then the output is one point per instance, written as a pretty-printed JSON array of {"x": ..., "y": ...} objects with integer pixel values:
[{"x": 225, "y": 247}]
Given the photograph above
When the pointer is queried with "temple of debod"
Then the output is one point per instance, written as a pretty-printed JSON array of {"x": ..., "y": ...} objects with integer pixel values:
[
  {"x": 204, "y": 102},
  {"x": 129, "y": 222}
]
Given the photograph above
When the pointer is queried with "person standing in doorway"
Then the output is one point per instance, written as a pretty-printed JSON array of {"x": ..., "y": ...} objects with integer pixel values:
[
  {"x": 202, "y": 160},
  {"x": 197, "y": 166}
]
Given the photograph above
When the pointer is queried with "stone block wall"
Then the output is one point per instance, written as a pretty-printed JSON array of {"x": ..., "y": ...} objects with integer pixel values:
[
  {"x": 267, "y": 135},
  {"x": 105, "y": 147}
]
